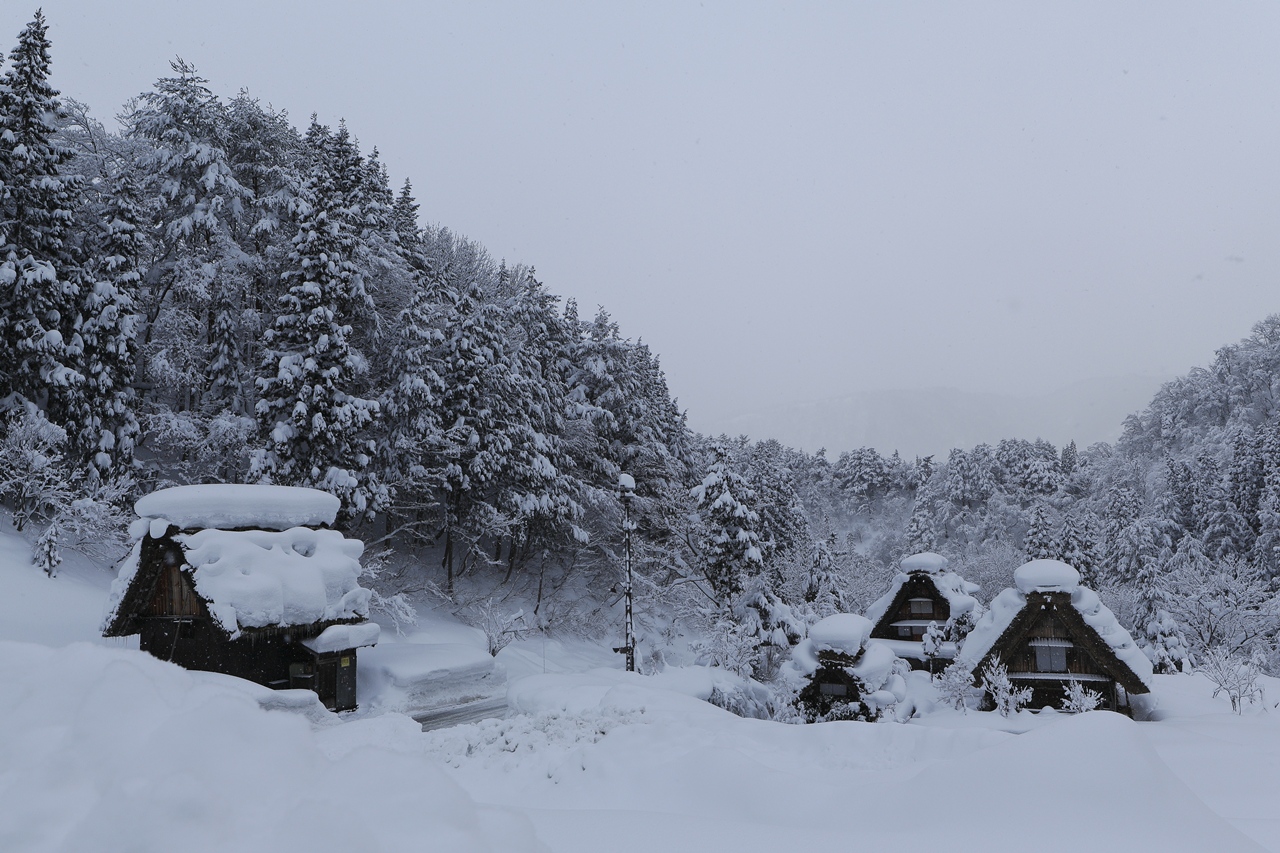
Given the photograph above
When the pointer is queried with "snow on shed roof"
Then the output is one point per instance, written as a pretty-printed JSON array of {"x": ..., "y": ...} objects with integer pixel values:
[
  {"x": 1009, "y": 603},
  {"x": 840, "y": 632},
  {"x": 261, "y": 578},
  {"x": 232, "y": 505}
]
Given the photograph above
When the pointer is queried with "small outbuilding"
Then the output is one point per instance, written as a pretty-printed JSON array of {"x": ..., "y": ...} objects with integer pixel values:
[
  {"x": 924, "y": 592},
  {"x": 249, "y": 581},
  {"x": 842, "y": 675},
  {"x": 1049, "y": 631}
]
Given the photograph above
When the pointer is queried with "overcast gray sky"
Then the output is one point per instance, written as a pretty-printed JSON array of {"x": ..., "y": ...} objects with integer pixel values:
[{"x": 797, "y": 201}]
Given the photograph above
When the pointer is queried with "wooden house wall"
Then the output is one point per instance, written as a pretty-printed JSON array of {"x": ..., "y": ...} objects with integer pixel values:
[
  {"x": 1048, "y": 626},
  {"x": 916, "y": 586}
]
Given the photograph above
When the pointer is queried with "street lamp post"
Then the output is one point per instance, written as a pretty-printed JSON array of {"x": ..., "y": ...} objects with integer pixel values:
[{"x": 627, "y": 486}]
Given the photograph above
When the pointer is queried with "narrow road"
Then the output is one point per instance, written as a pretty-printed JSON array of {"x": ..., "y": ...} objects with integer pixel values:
[{"x": 469, "y": 712}]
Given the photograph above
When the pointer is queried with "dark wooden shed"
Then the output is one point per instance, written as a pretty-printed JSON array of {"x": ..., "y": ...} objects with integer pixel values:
[{"x": 247, "y": 601}]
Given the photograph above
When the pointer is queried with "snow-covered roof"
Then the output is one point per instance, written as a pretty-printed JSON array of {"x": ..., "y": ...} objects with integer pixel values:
[
  {"x": 957, "y": 591},
  {"x": 847, "y": 633},
  {"x": 265, "y": 578},
  {"x": 925, "y": 561},
  {"x": 336, "y": 638},
  {"x": 261, "y": 578},
  {"x": 840, "y": 632},
  {"x": 233, "y": 505},
  {"x": 1047, "y": 576}
]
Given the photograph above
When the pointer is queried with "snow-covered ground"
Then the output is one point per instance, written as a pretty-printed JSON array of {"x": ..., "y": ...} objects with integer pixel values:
[{"x": 103, "y": 748}]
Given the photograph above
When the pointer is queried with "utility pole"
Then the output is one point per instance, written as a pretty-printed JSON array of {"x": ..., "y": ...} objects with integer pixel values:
[{"x": 627, "y": 486}]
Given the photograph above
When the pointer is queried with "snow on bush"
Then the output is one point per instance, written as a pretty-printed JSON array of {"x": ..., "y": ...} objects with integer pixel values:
[
  {"x": 1233, "y": 675},
  {"x": 1007, "y": 698},
  {"x": 1080, "y": 699}
]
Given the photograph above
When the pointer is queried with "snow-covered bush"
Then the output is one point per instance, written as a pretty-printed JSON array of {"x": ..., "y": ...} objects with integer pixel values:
[
  {"x": 1007, "y": 698},
  {"x": 1080, "y": 699},
  {"x": 727, "y": 645},
  {"x": 1234, "y": 675},
  {"x": 931, "y": 644},
  {"x": 499, "y": 627},
  {"x": 954, "y": 685}
]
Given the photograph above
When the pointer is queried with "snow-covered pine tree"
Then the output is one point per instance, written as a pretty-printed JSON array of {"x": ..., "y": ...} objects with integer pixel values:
[
  {"x": 731, "y": 548},
  {"x": 110, "y": 333},
  {"x": 824, "y": 588},
  {"x": 1070, "y": 459},
  {"x": 316, "y": 431},
  {"x": 47, "y": 554},
  {"x": 404, "y": 219},
  {"x": 1075, "y": 548},
  {"x": 919, "y": 535},
  {"x": 41, "y": 277},
  {"x": 1040, "y": 543}
]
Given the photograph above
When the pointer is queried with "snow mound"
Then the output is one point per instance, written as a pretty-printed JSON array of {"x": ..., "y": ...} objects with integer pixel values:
[
  {"x": 335, "y": 638},
  {"x": 926, "y": 561},
  {"x": 1046, "y": 576},
  {"x": 414, "y": 677},
  {"x": 231, "y": 505},
  {"x": 841, "y": 632},
  {"x": 114, "y": 750},
  {"x": 259, "y": 578}
]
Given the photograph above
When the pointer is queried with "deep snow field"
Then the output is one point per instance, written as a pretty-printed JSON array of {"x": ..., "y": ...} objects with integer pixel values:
[{"x": 103, "y": 748}]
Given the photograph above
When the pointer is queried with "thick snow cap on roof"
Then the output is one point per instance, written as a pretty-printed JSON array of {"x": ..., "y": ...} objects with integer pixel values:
[
  {"x": 1046, "y": 576},
  {"x": 841, "y": 632},
  {"x": 926, "y": 561},
  {"x": 231, "y": 505},
  {"x": 263, "y": 578}
]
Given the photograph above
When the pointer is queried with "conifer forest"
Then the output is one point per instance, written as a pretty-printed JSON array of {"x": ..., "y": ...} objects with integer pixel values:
[{"x": 219, "y": 292}]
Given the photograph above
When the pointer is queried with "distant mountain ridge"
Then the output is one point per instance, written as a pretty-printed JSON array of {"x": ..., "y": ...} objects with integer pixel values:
[{"x": 922, "y": 422}]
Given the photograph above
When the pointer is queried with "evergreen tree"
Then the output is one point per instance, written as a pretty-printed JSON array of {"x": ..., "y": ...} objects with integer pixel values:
[
  {"x": 404, "y": 219},
  {"x": 919, "y": 535},
  {"x": 316, "y": 430},
  {"x": 1070, "y": 459},
  {"x": 1040, "y": 543},
  {"x": 1075, "y": 548},
  {"x": 41, "y": 279},
  {"x": 731, "y": 548},
  {"x": 110, "y": 333},
  {"x": 824, "y": 588}
]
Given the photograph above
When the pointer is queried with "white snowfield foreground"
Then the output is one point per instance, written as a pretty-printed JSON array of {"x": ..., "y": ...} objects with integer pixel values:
[{"x": 107, "y": 749}]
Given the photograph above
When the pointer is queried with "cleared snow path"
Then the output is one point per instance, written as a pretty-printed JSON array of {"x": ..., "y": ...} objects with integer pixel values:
[{"x": 467, "y": 712}]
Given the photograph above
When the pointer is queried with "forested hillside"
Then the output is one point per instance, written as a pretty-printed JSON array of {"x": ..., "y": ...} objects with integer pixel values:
[{"x": 216, "y": 294}]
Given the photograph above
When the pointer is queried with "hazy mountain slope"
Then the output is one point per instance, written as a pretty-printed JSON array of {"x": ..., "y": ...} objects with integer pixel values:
[{"x": 932, "y": 421}]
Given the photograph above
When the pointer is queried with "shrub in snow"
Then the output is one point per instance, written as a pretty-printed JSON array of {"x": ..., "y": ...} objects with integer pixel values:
[
  {"x": 728, "y": 646},
  {"x": 1080, "y": 699},
  {"x": 932, "y": 644},
  {"x": 499, "y": 627},
  {"x": 47, "y": 554},
  {"x": 746, "y": 699},
  {"x": 1007, "y": 698},
  {"x": 955, "y": 684},
  {"x": 1233, "y": 675}
]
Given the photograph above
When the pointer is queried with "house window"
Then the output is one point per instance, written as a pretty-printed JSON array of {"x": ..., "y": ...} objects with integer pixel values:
[
  {"x": 1051, "y": 654},
  {"x": 921, "y": 607},
  {"x": 826, "y": 688}
]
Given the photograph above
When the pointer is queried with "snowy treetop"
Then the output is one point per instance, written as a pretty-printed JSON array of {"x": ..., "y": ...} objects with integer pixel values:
[
  {"x": 1046, "y": 576},
  {"x": 232, "y": 505},
  {"x": 926, "y": 561}
]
